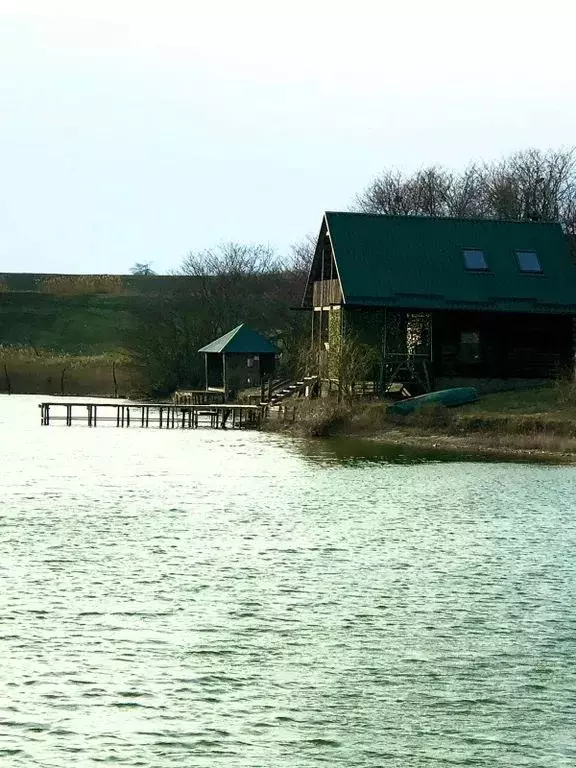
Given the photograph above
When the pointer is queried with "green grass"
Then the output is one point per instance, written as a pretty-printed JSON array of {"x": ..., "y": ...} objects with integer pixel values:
[
  {"x": 530, "y": 414},
  {"x": 546, "y": 399},
  {"x": 551, "y": 407},
  {"x": 78, "y": 325}
]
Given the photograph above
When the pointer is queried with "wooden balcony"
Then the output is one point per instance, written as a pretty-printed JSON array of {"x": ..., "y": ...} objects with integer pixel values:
[{"x": 326, "y": 292}]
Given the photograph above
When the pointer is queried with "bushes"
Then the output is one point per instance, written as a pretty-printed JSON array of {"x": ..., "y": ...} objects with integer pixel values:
[
  {"x": 312, "y": 418},
  {"x": 74, "y": 285},
  {"x": 546, "y": 432},
  {"x": 565, "y": 392}
]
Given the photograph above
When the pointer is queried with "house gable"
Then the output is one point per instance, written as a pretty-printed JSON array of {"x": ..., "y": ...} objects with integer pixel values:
[{"x": 323, "y": 287}]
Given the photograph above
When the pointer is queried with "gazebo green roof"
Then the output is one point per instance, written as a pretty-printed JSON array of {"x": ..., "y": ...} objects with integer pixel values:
[{"x": 241, "y": 340}]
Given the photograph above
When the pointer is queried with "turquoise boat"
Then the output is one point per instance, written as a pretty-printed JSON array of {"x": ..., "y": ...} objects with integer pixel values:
[{"x": 446, "y": 397}]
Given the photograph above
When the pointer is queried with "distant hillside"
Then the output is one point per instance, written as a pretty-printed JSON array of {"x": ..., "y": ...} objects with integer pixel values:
[
  {"x": 155, "y": 325},
  {"x": 93, "y": 314},
  {"x": 27, "y": 282},
  {"x": 87, "y": 325},
  {"x": 76, "y": 314}
]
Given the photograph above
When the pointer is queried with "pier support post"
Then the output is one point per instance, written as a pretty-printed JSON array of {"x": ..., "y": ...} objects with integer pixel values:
[{"x": 167, "y": 416}]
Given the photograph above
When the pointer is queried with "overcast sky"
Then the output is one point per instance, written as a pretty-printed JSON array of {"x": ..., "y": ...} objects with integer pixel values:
[{"x": 133, "y": 130}]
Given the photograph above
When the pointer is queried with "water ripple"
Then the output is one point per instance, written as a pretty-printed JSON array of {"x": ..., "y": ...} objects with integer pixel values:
[{"x": 207, "y": 599}]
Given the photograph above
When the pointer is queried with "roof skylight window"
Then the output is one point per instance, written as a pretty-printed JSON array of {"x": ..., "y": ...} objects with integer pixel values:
[
  {"x": 474, "y": 260},
  {"x": 528, "y": 261}
]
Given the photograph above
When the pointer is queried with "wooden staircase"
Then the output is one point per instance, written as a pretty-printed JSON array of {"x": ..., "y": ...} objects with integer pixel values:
[{"x": 287, "y": 389}]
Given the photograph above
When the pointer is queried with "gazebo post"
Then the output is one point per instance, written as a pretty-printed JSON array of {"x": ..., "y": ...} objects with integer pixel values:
[
  {"x": 224, "y": 376},
  {"x": 206, "y": 369}
]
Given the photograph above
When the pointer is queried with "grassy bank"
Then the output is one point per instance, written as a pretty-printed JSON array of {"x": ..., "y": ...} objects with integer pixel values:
[{"x": 537, "y": 423}]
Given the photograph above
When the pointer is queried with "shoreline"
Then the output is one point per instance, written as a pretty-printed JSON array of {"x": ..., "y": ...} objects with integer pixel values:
[
  {"x": 510, "y": 429},
  {"x": 481, "y": 445}
]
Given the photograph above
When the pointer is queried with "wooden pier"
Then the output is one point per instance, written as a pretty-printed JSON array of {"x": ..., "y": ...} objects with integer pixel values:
[{"x": 160, "y": 415}]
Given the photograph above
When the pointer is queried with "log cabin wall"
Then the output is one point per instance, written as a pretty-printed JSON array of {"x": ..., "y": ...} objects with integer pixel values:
[
  {"x": 366, "y": 324},
  {"x": 247, "y": 369},
  {"x": 326, "y": 292},
  {"x": 498, "y": 345},
  {"x": 477, "y": 345}
]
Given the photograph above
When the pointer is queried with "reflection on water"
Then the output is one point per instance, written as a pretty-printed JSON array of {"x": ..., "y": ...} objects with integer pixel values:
[
  {"x": 357, "y": 452},
  {"x": 240, "y": 599}
]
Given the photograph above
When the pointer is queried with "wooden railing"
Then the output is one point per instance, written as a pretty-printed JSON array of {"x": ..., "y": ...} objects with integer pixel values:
[
  {"x": 326, "y": 292},
  {"x": 197, "y": 397}
]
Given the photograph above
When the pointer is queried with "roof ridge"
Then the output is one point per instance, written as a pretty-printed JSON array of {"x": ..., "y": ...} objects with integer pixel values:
[
  {"x": 403, "y": 216},
  {"x": 379, "y": 258},
  {"x": 218, "y": 345}
]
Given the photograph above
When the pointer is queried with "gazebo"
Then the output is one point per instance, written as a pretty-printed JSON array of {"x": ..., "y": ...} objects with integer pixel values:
[{"x": 241, "y": 358}]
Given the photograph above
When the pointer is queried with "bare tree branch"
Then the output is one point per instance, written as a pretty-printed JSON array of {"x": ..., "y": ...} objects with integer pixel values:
[
  {"x": 231, "y": 259},
  {"x": 531, "y": 184},
  {"x": 301, "y": 255}
]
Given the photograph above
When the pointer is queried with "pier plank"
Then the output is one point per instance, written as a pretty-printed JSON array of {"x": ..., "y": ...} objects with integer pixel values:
[{"x": 159, "y": 415}]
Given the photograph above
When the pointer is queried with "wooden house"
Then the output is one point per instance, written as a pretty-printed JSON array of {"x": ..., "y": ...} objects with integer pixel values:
[
  {"x": 241, "y": 358},
  {"x": 443, "y": 299}
]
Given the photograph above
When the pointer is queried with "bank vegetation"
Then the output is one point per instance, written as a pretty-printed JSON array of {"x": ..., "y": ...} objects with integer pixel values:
[{"x": 536, "y": 423}]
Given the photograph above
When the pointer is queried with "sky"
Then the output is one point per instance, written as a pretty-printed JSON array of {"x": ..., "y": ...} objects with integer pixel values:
[{"x": 137, "y": 131}]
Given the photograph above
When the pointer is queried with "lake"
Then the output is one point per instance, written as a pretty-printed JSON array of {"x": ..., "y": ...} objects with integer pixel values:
[{"x": 206, "y": 598}]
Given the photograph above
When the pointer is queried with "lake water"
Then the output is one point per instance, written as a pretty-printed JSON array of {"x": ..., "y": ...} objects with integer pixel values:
[{"x": 205, "y": 598}]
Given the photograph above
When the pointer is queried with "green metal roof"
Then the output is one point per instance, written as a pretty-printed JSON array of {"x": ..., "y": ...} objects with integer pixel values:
[
  {"x": 242, "y": 340},
  {"x": 418, "y": 262}
]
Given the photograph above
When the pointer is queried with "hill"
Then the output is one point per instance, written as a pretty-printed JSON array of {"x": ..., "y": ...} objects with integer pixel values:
[
  {"x": 147, "y": 327},
  {"x": 75, "y": 314}
]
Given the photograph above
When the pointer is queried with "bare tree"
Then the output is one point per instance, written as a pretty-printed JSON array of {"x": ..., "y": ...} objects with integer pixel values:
[
  {"x": 352, "y": 363},
  {"x": 534, "y": 185},
  {"x": 424, "y": 193},
  {"x": 466, "y": 195},
  {"x": 164, "y": 341},
  {"x": 301, "y": 255},
  {"x": 386, "y": 194},
  {"x": 231, "y": 259},
  {"x": 142, "y": 268},
  {"x": 531, "y": 184}
]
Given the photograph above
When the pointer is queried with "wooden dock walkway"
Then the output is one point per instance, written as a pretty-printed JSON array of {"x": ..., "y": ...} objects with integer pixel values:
[{"x": 160, "y": 415}]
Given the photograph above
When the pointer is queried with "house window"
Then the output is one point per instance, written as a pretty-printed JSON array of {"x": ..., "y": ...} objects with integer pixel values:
[
  {"x": 528, "y": 261},
  {"x": 469, "y": 351},
  {"x": 474, "y": 260}
]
